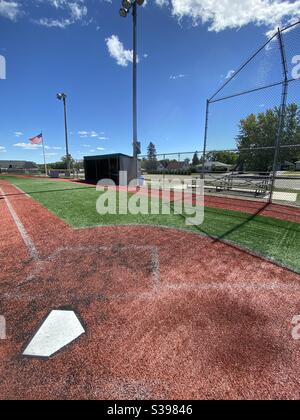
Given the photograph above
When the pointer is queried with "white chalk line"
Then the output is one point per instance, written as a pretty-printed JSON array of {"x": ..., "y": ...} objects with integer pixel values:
[
  {"x": 22, "y": 192},
  {"x": 21, "y": 228}
]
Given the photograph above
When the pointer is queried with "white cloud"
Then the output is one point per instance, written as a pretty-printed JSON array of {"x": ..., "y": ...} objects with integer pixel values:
[
  {"x": 28, "y": 146},
  {"x": 117, "y": 51},
  {"x": 177, "y": 77},
  {"x": 100, "y": 148},
  {"x": 2, "y": 149},
  {"x": 76, "y": 12},
  {"x": 92, "y": 135},
  {"x": 230, "y": 74},
  {"x": 18, "y": 134},
  {"x": 9, "y": 9},
  {"x": 162, "y": 3},
  {"x": 234, "y": 14},
  {"x": 49, "y": 154},
  {"x": 53, "y": 148},
  {"x": 54, "y": 23}
]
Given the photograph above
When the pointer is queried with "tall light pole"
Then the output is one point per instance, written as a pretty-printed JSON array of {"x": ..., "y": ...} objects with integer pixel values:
[
  {"x": 63, "y": 97},
  {"x": 128, "y": 5}
]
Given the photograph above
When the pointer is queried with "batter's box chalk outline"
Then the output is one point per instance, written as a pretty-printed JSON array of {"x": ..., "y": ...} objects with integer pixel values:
[{"x": 153, "y": 253}]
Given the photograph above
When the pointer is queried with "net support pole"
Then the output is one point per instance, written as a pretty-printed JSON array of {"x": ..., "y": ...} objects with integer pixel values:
[
  {"x": 282, "y": 112},
  {"x": 205, "y": 138}
]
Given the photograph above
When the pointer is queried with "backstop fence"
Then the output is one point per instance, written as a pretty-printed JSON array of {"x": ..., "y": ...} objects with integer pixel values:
[{"x": 252, "y": 128}]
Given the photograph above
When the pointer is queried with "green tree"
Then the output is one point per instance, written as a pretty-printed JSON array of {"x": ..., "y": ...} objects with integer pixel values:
[
  {"x": 187, "y": 162},
  {"x": 230, "y": 158},
  {"x": 196, "y": 160},
  {"x": 62, "y": 164},
  {"x": 151, "y": 158},
  {"x": 260, "y": 131},
  {"x": 64, "y": 161}
]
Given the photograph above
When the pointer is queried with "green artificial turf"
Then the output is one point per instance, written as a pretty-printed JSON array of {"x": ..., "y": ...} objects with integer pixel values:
[{"x": 76, "y": 205}]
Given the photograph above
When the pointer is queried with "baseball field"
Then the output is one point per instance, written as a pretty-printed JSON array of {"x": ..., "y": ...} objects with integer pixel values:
[{"x": 169, "y": 310}]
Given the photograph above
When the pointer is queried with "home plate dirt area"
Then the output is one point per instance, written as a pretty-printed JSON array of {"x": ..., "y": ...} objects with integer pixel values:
[{"x": 167, "y": 314}]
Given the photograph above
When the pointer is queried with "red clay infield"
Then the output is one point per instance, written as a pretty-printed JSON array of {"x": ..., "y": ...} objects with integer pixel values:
[{"x": 168, "y": 314}]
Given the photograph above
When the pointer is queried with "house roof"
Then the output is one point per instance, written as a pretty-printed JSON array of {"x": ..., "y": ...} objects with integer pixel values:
[
  {"x": 216, "y": 163},
  {"x": 175, "y": 165},
  {"x": 5, "y": 164}
]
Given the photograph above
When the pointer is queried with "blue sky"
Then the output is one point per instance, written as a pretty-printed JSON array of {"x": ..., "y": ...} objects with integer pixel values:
[{"x": 187, "y": 48}]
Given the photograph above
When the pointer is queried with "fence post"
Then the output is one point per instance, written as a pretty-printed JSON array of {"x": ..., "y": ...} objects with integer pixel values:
[
  {"x": 285, "y": 85},
  {"x": 205, "y": 138}
]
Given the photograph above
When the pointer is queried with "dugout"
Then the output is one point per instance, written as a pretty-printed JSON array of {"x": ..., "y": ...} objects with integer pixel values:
[{"x": 108, "y": 167}]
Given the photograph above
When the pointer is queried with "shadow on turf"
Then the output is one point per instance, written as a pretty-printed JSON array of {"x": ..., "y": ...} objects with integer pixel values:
[
  {"x": 230, "y": 231},
  {"x": 222, "y": 238},
  {"x": 45, "y": 192},
  {"x": 245, "y": 222}
]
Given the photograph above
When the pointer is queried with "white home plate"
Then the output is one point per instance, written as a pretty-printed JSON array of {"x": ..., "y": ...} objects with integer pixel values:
[{"x": 59, "y": 330}]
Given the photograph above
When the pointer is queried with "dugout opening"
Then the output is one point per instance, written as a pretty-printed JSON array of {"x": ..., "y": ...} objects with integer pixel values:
[{"x": 108, "y": 167}]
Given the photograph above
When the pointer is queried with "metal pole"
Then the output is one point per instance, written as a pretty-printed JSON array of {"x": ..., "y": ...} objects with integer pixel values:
[
  {"x": 205, "y": 138},
  {"x": 282, "y": 112},
  {"x": 135, "y": 129},
  {"x": 44, "y": 153},
  {"x": 66, "y": 133}
]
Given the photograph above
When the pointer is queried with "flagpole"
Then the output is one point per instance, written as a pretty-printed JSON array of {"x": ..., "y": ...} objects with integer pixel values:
[{"x": 44, "y": 155}]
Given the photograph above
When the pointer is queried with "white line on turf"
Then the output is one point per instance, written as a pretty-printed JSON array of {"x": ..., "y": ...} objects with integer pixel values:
[{"x": 21, "y": 228}]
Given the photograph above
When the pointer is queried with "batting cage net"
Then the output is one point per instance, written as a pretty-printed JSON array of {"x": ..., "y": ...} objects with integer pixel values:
[
  {"x": 252, "y": 129},
  {"x": 253, "y": 124}
]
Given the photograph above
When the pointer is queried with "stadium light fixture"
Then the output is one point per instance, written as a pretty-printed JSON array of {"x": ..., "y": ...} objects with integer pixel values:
[
  {"x": 126, "y": 4},
  {"x": 61, "y": 96},
  {"x": 123, "y": 12}
]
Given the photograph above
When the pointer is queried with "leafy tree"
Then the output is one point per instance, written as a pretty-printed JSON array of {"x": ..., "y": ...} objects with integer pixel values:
[
  {"x": 230, "y": 158},
  {"x": 62, "y": 164},
  {"x": 260, "y": 131},
  {"x": 64, "y": 161}
]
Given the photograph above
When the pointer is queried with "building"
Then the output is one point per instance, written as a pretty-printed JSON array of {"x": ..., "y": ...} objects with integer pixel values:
[
  {"x": 10, "y": 165},
  {"x": 176, "y": 166},
  {"x": 109, "y": 167},
  {"x": 211, "y": 166}
]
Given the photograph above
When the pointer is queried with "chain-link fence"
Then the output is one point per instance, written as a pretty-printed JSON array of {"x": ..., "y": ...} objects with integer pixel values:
[{"x": 252, "y": 130}]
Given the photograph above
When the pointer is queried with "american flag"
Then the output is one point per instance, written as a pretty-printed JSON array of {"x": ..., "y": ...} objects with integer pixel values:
[{"x": 36, "y": 140}]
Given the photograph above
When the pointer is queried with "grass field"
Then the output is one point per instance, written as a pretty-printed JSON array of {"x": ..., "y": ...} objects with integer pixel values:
[{"x": 76, "y": 205}]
